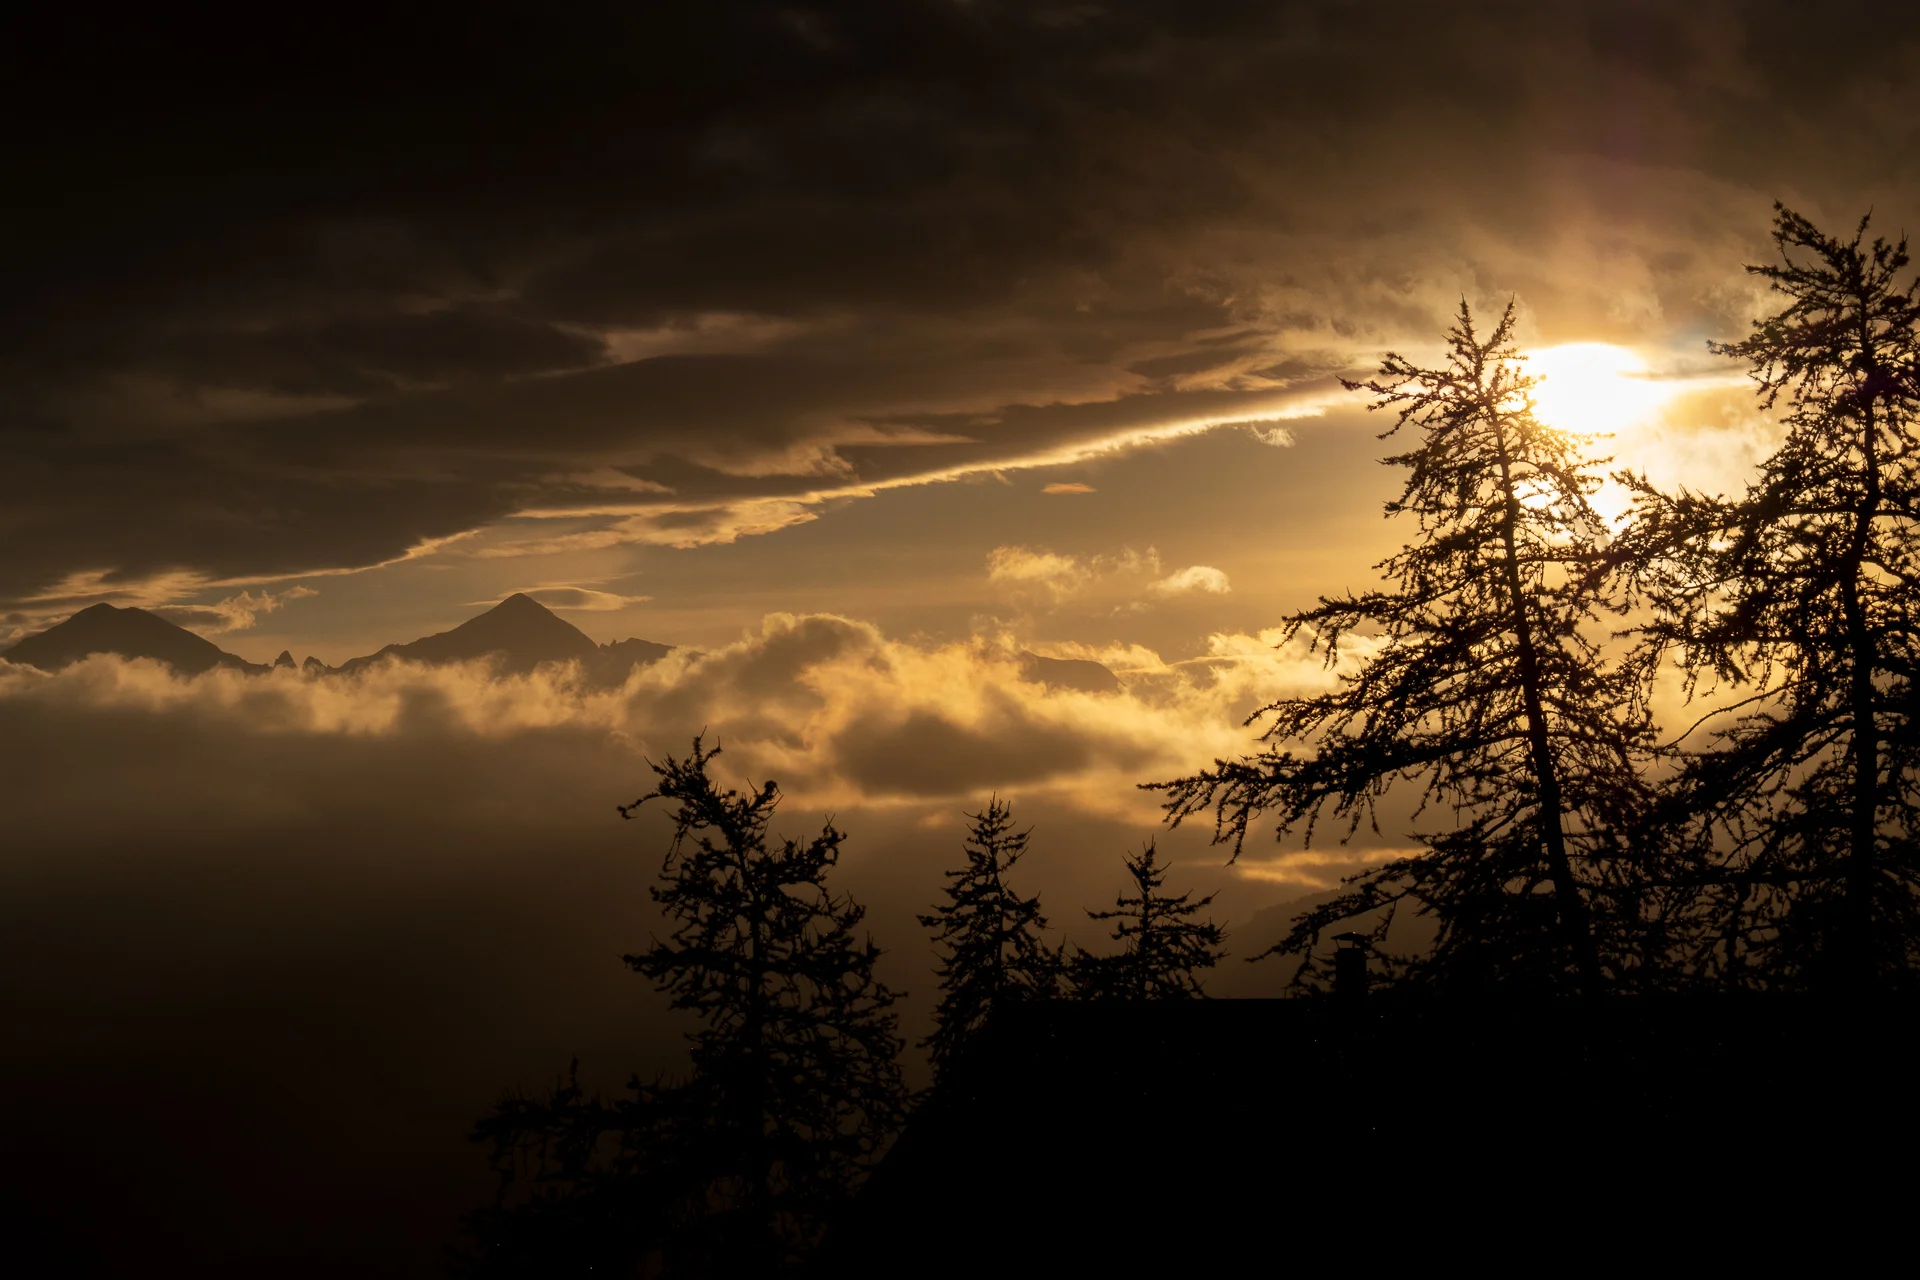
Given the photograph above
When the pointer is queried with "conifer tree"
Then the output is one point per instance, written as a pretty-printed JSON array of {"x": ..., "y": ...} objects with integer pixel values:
[
  {"x": 795, "y": 1086},
  {"x": 796, "y": 1065},
  {"x": 1162, "y": 947},
  {"x": 989, "y": 938},
  {"x": 1798, "y": 815},
  {"x": 1480, "y": 689}
]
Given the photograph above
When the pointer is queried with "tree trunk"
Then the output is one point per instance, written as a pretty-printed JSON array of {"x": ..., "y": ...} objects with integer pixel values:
[
  {"x": 759, "y": 1172},
  {"x": 1857, "y": 963},
  {"x": 1571, "y": 908}
]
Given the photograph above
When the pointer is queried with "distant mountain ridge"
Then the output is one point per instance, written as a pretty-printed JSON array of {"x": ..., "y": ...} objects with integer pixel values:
[
  {"x": 1082, "y": 674},
  {"x": 517, "y": 636},
  {"x": 130, "y": 633}
]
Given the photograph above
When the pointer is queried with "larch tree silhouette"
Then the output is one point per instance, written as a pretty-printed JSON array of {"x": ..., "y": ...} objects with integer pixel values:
[
  {"x": 990, "y": 940},
  {"x": 1163, "y": 949},
  {"x": 795, "y": 1088},
  {"x": 1476, "y": 679},
  {"x": 1797, "y": 817}
]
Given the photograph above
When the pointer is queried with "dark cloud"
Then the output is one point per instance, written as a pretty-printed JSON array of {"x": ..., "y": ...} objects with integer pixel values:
[
  {"x": 286, "y": 300},
  {"x": 367, "y": 354},
  {"x": 928, "y": 755}
]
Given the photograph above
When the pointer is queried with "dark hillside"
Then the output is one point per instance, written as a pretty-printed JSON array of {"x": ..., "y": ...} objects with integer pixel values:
[{"x": 1169, "y": 1137}]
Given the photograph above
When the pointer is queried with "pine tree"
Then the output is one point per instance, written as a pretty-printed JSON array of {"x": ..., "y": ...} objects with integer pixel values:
[
  {"x": 795, "y": 1085},
  {"x": 1162, "y": 948},
  {"x": 796, "y": 1067},
  {"x": 1798, "y": 818},
  {"x": 1482, "y": 691},
  {"x": 989, "y": 939}
]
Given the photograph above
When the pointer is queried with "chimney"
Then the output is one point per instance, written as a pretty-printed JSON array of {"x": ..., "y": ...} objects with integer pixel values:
[{"x": 1350, "y": 966}]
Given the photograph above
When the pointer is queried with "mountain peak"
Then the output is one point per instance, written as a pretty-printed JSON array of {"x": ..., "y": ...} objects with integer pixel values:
[
  {"x": 130, "y": 633},
  {"x": 517, "y": 635},
  {"x": 1068, "y": 673}
]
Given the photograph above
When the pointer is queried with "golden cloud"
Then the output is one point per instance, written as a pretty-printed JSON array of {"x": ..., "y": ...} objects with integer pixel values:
[
  {"x": 1123, "y": 581},
  {"x": 1201, "y": 578},
  {"x": 841, "y": 714}
]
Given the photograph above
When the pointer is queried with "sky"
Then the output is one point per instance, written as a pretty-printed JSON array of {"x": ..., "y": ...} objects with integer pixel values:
[{"x": 851, "y": 349}]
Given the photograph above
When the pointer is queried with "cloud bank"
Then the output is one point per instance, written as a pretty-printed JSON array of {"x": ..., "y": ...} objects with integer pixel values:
[
  {"x": 841, "y": 714},
  {"x": 1126, "y": 581}
]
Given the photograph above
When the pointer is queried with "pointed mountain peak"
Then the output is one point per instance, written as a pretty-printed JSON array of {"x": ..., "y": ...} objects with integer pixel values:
[
  {"x": 517, "y": 635},
  {"x": 521, "y": 602},
  {"x": 285, "y": 659}
]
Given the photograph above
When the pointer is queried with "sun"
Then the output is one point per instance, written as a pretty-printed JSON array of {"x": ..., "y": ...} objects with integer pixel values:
[{"x": 1595, "y": 388}]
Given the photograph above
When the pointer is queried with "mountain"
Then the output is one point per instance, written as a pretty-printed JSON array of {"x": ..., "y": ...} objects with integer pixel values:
[
  {"x": 131, "y": 633},
  {"x": 622, "y": 656},
  {"x": 1068, "y": 673},
  {"x": 518, "y": 635}
]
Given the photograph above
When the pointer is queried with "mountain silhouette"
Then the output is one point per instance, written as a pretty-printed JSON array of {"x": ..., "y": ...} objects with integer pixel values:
[
  {"x": 518, "y": 635},
  {"x": 1068, "y": 673},
  {"x": 619, "y": 658},
  {"x": 130, "y": 633}
]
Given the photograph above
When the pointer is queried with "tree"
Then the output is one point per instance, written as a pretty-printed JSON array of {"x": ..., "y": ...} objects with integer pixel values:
[
  {"x": 587, "y": 1186},
  {"x": 1797, "y": 821},
  {"x": 796, "y": 1083},
  {"x": 797, "y": 1060},
  {"x": 1162, "y": 947},
  {"x": 989, "y": 938},
  {"x": 1479, "y": 686}
]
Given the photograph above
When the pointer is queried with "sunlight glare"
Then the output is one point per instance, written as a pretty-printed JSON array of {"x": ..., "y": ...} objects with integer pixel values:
[
  {"x": 1594, "y": 388},
  {"x": 1598, "y": 389}
]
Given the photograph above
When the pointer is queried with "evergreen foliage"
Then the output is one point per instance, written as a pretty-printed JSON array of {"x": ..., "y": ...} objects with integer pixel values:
[
  {"x": 1480, "y": 684},
  {"x": 796, "y": 1083},
  {"x": 989, "y": 939},
  {"x": 1796, "y": 821},
  {"x": 588, "y": 1186},
  {"x": 1162, "y": 947}
]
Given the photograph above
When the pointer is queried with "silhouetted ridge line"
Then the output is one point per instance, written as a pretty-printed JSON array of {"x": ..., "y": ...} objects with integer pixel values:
[
  {"x": 1068, "y": 673},
  {"x": 519, "y": 635},
  {"x": 129, "y": 633}
]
